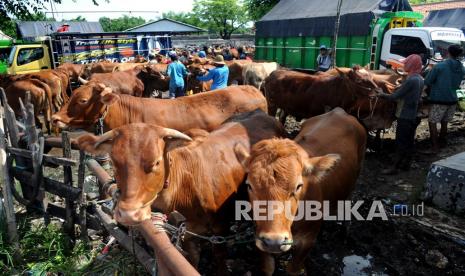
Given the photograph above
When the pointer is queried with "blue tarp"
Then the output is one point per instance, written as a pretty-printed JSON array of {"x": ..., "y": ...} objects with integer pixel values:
[{"x": 32, "y": 29}]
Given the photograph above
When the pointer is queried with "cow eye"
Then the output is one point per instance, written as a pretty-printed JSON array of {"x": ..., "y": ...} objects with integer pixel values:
[
  {"x": 299, "y": 187},
  {"x": 249, "y": 187},
  {"x": 83, "y": 101}
]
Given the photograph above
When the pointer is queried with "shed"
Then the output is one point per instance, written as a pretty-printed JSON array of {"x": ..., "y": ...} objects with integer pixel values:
[
  {"x": 167, "y": 26},
  {"x": 290, "y": 18}
]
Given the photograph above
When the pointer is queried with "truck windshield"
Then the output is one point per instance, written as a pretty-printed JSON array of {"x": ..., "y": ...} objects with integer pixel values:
[
  {"x": 440, "y": 46},
  {"x": 11, "y": 58}
]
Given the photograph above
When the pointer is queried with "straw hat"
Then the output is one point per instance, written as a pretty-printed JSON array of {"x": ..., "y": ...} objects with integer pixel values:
[{"x": 219, "y": 59}]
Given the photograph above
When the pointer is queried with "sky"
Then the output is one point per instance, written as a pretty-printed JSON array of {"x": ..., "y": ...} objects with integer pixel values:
[{"x": 159, "y": 6}]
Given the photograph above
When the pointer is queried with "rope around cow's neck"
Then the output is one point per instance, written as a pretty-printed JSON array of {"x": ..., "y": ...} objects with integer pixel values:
[{"x": 372, "y": 109}]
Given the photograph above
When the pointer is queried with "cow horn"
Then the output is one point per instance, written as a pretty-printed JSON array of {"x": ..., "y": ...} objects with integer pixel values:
[
  {"x": 109, "y": 135},
  {"x": 83, "y": 81},
  {"x": 172, "y": 133}
]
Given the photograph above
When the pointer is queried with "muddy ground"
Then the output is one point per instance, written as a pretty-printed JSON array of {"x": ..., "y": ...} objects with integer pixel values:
[{"x": 399, "y": 246}]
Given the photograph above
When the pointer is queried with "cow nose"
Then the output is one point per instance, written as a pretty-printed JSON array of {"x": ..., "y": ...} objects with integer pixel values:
[{"x": 275, "y": 244}]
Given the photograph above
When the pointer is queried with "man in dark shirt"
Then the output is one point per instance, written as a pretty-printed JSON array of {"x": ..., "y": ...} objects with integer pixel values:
[{"x": 408, "y": 98}]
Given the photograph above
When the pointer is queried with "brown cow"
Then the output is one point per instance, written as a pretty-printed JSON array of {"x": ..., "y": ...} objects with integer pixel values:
[
  {"x": 74, "y": 70},
  {"x": 198, "y": 69},
  {"x": 236, "y": 68},
  {"x": 321, "y": 163},
  {"x": 99, "y": 67},
  {"x": 155, "y": 80},
  {"x": 58, "y": 83},
  {"x": 304, "y": 96},
  {"x": 205, "y": 110},
  {"x": 127, "y": 66},
  {"x": 41, "y": 98},
  {"x": 202, "y": 176},
  {"x": 123, "y": 82}
]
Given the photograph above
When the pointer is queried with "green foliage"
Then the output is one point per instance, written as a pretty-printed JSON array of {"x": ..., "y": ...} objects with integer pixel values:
[
  {"x": 77, "y": 19},
  {"x": 120, "y": 24},
  {"x": 258, "y": 8},
  {"x": 186, "y": 17},
  {"x": 222, "y": 16},
  {"x": 44, "y": 250}
]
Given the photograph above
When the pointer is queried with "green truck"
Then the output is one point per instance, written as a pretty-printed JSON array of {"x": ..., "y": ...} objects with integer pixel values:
[
  {"x": 5, "y": 48},
  {"x": 370, "y": 33}
]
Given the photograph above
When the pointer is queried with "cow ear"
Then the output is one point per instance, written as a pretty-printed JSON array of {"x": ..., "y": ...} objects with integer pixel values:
[
  {"x": 107, "y": 97},
  {"x": 242, "y": 155},
  {"x": 92, "y": 144},
  {"x": 320, "y": 166}
]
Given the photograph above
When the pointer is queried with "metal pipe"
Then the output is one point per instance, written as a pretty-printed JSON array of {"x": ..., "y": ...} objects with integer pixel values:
[
  {"x": 164, "y": 250},
  {"x": 102, "y": 175}
]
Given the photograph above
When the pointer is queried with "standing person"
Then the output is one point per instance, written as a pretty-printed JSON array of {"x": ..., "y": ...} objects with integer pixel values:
[
  {"x": 176, "y": 71},
  {"x": 324, "y": 59},
  {"x": 219, "y": 74},
  {"x": 408, "y": 98},
  {"x": 444, "y": 80},
  {"x": 241, "y": 52}
]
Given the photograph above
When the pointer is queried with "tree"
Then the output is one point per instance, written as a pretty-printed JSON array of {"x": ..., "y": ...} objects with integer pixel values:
[
  {"x": 258, "y": 8},
  {"x": 77, "y": 19},
  {"x": 185, "y": 17},
  {"x": 222, "y": 16},
  {"x": 121, "y": 23}
]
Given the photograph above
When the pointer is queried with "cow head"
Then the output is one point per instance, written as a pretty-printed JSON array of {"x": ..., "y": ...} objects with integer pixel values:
[
  {"x": 280, "y": 171},
  {"x": 86, "y": 105},
  {"x": 360, "y": 80},
  {"x": 137, "y": 154}
]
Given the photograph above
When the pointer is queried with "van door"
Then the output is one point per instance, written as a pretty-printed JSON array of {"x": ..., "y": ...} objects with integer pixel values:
[
  {"x": 28, "y": 59},
  {"x": 399, "y": 45}
]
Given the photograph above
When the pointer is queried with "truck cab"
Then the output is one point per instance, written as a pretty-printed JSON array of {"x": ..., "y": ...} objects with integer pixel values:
[
  {"x": 28, "y": 58},
  {"x": 427, "y": 42}
]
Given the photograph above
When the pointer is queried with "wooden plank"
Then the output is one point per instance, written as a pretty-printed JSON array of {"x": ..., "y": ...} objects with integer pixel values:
[
  {"x": 82, "y": 199},
  {"x": 68, "y": 180},
  {"x": 56, "y": 143},
  {"x": 6, "y": 189},
  {"x": 59, "y": 212},
  {"x": 50, "y": 185},
  {"x": 47, "y": 158}
]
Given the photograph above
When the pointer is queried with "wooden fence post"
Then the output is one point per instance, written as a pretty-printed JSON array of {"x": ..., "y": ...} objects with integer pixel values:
[
  {"x": 68, "y": 180},
  {"x": 6, "y": 189},
  {"x": 82, "y": 200}
]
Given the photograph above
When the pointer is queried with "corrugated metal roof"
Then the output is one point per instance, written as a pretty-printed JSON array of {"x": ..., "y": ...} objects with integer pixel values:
[
  {"x": 454, "y": 18},
  {"x": 166, "y": 26},
  {"x": 31, "y": 29}
]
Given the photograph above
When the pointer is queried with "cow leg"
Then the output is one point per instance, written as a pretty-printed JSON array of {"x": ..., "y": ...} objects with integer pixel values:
[{"x": 267, "y": 263}]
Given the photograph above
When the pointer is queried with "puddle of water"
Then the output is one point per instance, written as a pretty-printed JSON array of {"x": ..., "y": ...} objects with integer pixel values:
[{"x": 355, "y": 265}]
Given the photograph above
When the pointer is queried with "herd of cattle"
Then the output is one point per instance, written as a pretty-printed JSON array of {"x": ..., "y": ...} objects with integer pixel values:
[{"x": 195, "y": 154}]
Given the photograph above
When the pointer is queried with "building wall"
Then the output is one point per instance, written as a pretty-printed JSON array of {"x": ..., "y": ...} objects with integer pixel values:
[{"x": 445, "y": 5}]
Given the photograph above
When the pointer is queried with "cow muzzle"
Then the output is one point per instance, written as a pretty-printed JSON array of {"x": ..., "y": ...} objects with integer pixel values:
[
  {"x": 274, "y": 243},
  {"x": 132, "y": 217},
  {"x": 56, "y": 121}
]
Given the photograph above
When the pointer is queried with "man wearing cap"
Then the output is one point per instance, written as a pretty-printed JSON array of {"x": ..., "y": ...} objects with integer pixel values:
[
  {"x": 176, "y": 71},
  {"x": 323, "y": 60},
  {"x": 408, "y": 97},
  {"x": 444, "y": 80},
  {"x": 219, "y": 74}
]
